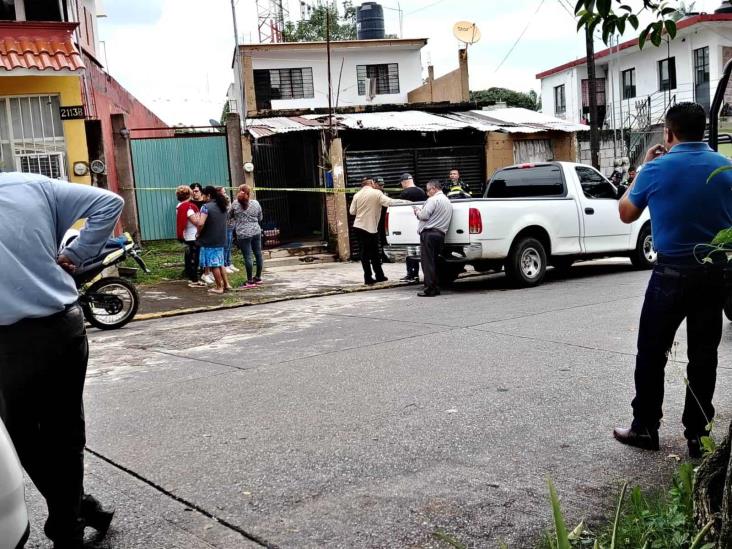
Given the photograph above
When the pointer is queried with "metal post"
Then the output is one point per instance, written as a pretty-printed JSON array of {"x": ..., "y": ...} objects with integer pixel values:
[
  {"x": 330, "y": 84},
  {"x": 592, "y": 92}
]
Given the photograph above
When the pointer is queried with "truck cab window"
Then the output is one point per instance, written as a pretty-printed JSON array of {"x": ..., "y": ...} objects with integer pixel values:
[
  {"x": 526, "y": 182},
  {"x": 594, "y": 185}
]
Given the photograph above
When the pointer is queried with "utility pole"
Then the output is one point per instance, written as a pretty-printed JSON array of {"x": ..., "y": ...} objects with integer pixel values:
[
  {"x": 239, "y": 72},
  {"x": 592, "y": 93},
  {"x": 330, "y": 84}
]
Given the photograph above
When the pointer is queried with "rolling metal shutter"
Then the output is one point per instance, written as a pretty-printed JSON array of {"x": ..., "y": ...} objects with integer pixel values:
[{"x": 424, "y": 164}]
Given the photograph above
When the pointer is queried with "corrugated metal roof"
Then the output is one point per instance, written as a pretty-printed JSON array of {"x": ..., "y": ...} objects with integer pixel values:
[
  {"x": 510, "y": 120},
  {"x": 526, "y": 117},
  {"x": 418, "y": 121},
  {"x": 39, "y": 46}
]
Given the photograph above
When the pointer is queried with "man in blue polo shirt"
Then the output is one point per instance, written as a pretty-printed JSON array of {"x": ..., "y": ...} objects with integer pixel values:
[{"x": 686, "y": 211}]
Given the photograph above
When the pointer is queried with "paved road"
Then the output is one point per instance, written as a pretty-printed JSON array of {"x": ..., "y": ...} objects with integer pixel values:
[{"x": 374, "y": 419}]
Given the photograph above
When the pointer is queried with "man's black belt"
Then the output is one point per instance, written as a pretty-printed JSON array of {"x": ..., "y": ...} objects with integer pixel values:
[
  {"x": 433, "y": 229},
  {"x": 52, "y": 316}
]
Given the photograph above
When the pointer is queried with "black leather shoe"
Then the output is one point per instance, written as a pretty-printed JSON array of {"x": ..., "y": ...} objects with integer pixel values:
[
  {"x": 95, "y": 515},
  {"x": 369, "y": 281},
  {"x": 428, "y": 293},
  {"x": 696, "y": 449},
  {"x": 645, "y": 441},
  {"x": 76, "y": 543},
  {"x": 381, "y": 279}
]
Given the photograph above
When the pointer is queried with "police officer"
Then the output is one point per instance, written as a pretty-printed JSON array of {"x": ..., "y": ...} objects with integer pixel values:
[
  {"x": 456, "y": 187},
  {"x": 43, "y": 345},
  {"x": 686, "y": 211}
]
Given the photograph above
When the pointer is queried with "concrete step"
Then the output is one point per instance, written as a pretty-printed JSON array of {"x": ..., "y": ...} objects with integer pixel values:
[
  {"x": 304, "y": 250},
  {"x": 298, "y": 260}
]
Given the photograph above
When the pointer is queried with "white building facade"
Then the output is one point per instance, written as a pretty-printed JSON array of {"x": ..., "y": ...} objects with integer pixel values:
[
  {"x": 635, "y": 87},
  {"x": 294, "y": 75}
]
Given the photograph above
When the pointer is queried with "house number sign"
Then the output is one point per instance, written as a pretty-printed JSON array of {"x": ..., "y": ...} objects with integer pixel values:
[{"x": 74, "y": 112}]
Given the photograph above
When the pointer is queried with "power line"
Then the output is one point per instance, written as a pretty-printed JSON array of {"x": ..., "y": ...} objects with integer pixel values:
[
  {"x": 425, "y": 7},
  {"x": 566, "y": 8},
  {"x": 528, "y": 24}
]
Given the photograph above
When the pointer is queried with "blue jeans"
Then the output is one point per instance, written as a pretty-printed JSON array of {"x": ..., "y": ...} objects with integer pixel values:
[
  {"x": 251, "y": 247},
  {"x": 227, "y": 247},
  {"x": 676, "y": 293}
]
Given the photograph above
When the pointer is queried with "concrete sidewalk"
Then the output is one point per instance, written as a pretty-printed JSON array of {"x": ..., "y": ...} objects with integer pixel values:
[{"x": 280, "y": 284}]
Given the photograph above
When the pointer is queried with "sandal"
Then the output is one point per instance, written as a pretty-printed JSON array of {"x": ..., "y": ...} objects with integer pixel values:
[
  {"x": 215, "y": 291},
  {"x": 196, "y": 284}
]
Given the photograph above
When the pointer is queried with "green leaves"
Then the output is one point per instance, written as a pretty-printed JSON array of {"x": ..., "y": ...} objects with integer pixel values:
[
  {"x": 617, "y": 515},
  {"x": 559, "y": 527},
  {"x": 719, "y": 170},
  {"x": 723, "y": 237},
  {"x": 614, "y": 16}
]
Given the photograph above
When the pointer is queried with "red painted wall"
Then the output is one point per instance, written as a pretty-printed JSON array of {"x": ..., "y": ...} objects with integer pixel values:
[{"x": 104, "y": 97}]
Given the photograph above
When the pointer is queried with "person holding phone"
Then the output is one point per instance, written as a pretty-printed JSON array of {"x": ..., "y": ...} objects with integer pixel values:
[
  {"x": 434, "y": 221},
  {"x": 687, "y": 210}
]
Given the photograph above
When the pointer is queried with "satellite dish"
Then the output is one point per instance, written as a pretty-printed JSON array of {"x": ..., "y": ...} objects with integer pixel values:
[{"x": 467, "y": 32}]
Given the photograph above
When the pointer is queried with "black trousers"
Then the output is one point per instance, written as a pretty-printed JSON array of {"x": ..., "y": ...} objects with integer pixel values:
[
  {"x": 191, "y": 260},
  {"x": 368, "y": 244},
  {"x": 676, "y": 293},
  {"x": 431, "y": 242},
  {"x": 42, "y": 369},
  {"x": 412, "y": 267}
]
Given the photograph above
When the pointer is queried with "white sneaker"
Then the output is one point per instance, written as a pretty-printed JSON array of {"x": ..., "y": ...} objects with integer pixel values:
[
  {"x": 229, "y": 269},
  {"x": 208, "y": 278},
  {"x": 233, "y": 269}
]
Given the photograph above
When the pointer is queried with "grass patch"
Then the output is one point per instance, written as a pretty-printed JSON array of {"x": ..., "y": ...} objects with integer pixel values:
[
  {"x": 164, "y": 258},
  {"x": 656, "y": 519}
]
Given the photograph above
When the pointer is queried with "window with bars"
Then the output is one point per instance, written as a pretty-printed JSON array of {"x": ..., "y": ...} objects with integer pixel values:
[
  {"x": 272, "y": 84},
  {"x": 628, "y": 82},
  {"x": 31, "y": 135},
  {"x": 667, "y": 74},
  {"x": 386, "y": 77},
  {"x": 599, "y": 92},
  {"x": 560, "y": 100},
  {"x": 701, "y": 65}
]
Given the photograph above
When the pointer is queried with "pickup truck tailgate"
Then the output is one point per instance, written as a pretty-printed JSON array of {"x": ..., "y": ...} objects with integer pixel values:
[{"x": 402, "y": 227}]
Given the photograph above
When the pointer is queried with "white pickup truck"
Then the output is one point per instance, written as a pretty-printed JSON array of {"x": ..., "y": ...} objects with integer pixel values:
[{"x": 531, "y": 216}]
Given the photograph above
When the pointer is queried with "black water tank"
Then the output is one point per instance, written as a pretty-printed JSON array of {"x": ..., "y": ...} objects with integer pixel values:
[{"x": 370, "y": 21}]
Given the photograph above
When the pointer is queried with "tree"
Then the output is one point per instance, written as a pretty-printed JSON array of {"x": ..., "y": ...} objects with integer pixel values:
[
  {"x": 313, "y": 29},
  {"x": 510, "y": 97}
]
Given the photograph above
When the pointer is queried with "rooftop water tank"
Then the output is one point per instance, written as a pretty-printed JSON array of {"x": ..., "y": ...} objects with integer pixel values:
[
  {"x": 370, "y": 21},
  {"x": 726, "y": 7}
]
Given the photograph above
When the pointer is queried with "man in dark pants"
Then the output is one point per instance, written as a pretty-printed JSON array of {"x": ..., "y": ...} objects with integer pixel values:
[
  {"x": 414, "y": 194},
  {"x": 686, "y": 210},
  {"x": 434, "y": 221},
  {"x": 379, "y": 186},
  {"x": 43, "y": 345},
  {"x": 366, "y": 206}
]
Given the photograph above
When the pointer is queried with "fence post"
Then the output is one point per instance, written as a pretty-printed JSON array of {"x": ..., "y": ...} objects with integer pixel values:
[
  {"x": 341, "y": 208},
  {"x": 125, "y": 175},
  {"x": 233, "y": 143}
]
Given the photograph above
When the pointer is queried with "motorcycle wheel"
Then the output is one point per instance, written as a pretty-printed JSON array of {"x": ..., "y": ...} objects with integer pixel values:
[
  {"x": 728, "y": 306},
  {"x": 103, "y": 319}
]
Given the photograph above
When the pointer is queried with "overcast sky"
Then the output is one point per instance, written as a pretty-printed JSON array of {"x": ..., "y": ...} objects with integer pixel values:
[{"x": 176, "y": 55}]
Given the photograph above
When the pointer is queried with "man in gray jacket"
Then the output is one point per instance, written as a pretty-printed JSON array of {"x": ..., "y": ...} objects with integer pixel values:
[{"x": 434, "y": 221}]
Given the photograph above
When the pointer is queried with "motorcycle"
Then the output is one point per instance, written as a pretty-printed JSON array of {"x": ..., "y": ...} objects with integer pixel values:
[{"x": 108, "y": 302}]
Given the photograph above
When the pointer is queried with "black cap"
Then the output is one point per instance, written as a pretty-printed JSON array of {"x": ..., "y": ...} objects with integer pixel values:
[
  {"x": 379, "y": 180},
  {"x": 406, "y": 176}
]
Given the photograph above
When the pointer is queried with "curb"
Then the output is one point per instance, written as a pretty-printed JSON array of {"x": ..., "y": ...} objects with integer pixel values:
[{"x": 225, "y": 306}]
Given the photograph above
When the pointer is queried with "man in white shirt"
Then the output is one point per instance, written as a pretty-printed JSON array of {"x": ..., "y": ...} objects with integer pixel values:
[
  {"x": 434, "y": 221},
  {"x": 366, "y": 206}
]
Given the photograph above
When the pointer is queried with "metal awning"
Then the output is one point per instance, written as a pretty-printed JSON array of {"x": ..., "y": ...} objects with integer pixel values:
[{"x": 510, "y": 120}]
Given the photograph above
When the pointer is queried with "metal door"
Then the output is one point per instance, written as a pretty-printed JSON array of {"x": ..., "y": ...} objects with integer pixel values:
[{"x": 161, "y": 164}]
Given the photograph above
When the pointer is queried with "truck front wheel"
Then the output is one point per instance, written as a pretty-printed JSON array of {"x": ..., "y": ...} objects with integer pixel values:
[
  {"x": 644, "y": 256},
  {"x": 526, "y": 262}
]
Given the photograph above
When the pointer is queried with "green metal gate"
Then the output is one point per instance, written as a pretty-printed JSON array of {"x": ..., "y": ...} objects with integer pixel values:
[{"x": 161, "y": 164}]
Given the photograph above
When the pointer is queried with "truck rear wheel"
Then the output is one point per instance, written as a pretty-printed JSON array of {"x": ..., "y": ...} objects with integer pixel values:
[
  {"x": 644, "y": 256},
  {"x": 447, "y": 273},
  {"x": 526, "y": 262}
]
